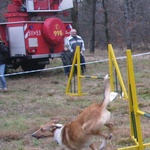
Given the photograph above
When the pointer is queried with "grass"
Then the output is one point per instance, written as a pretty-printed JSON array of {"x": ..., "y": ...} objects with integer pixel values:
[{"x": 34, "y": 99}]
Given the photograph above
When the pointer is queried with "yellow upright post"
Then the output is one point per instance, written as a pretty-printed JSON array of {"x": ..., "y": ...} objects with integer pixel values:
[
  {"x": 110, "y": 67},
  {"x": 135, "y": 113},
  {"x": 78, "y": 71},
  {"x": 135, "y": 123},
  {"x": 113, "y": 61},
  {"x": 71, "y": 74}
]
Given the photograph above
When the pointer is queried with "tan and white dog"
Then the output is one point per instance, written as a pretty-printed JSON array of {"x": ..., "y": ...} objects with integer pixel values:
[{"x": 79, "y": 133}]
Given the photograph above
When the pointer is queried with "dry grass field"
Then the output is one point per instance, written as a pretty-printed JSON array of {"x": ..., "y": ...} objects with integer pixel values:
[{"x": 34, "y": 99}]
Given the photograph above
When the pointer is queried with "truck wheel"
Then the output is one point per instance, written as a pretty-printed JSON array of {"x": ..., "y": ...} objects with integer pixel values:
[{"x": 28, "y": 66}]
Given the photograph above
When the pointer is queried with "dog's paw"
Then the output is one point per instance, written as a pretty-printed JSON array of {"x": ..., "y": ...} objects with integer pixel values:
[
  {"x": 102, "y": 146},
  {"x": 110, "y": 136}
]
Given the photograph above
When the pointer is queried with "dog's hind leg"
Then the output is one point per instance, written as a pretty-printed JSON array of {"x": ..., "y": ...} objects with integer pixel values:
[
  {"x": 105, "y": 138},
  {"x": 102, "y": 146},
  {"x": 110, "y": 126}
]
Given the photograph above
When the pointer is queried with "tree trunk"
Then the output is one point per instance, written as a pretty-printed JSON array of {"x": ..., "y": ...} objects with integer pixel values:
[
  {"x": 106, "y": 21},
  {"x": 127, "y": 17},
  {"x": 92, "y": 36},
  {"x": 74, "y": 15}
]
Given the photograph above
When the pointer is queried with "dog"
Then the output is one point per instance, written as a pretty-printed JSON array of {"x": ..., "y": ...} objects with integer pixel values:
[{"x": 79, "y": 133}]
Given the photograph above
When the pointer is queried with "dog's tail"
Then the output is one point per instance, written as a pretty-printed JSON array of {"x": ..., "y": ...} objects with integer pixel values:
[{"x": 107, "y": 91}]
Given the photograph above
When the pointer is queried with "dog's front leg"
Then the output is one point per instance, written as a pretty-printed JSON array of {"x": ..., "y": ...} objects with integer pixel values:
[{"x": 92, "y": 147}]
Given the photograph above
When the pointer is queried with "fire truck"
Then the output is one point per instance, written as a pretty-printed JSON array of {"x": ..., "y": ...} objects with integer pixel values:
[{"x": 33, "y": 33}]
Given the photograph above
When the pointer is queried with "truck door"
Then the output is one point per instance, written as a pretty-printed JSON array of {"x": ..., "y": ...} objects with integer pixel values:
[{"x": 16, "y": 41}]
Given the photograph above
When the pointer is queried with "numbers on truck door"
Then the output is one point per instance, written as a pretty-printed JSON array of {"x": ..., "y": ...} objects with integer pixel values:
[{"x": 34, "y": 33}]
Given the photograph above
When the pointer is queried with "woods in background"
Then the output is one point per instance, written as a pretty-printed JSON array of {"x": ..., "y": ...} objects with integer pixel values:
[{"x": 124, "y": 23}]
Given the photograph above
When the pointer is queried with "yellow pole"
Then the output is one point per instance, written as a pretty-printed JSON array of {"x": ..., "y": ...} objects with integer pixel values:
[
  {"x": 71, "y": 73},
  {"x": 78, "y": 71},
  {"x": 135, "y": 126},
  {"x": 110, "y": 67},
  {"x": 113, "y": 58}
]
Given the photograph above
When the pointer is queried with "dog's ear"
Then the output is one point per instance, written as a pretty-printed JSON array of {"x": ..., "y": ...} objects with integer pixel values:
[
  {"x": 56, "y": 126},
  {"x": 45, "y": 128},
  {"x": 55, "y": 121},
  {"x": 50, "y": 127}
]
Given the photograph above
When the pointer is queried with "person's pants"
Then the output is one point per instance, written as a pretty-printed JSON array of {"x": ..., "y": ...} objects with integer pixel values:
[
  {"x": 83, "y": 66},
  {"x": 2, "y": 77},
  {"x": 67, "y": 70}
]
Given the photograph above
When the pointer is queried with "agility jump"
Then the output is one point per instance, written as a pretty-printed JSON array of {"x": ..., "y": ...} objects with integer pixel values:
[
  {"x": 112, "y": 64},
  {"x": 134, "y": 111}
]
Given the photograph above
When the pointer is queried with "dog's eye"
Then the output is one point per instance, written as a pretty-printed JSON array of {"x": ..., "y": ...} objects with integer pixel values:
[
  {"x": 53, "y": 127},
  {"x": 43, "y": 129}
]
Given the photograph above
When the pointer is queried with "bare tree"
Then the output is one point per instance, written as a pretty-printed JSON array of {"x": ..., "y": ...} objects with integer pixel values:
[
  {"x": 92, "y": 36},
  {"x": 128, "y": 10},
  {"x": 104, "y": 5},
  {"x": 87, "y": 22},
  {"x": 124, "y": 23},
  {"x": 74, "y": 15}
]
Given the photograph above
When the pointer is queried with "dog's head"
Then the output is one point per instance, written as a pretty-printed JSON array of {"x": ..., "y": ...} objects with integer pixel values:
[{"x": 47, "y": 130}]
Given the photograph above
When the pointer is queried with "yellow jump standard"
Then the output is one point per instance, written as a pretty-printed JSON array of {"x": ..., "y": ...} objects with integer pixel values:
[
  {"x": 112, "y": 64},
  {"x": 135, "y": 113}
]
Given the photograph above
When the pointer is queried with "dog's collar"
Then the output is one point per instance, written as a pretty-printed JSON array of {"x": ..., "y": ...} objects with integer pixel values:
[
  {"x": 58, "y": 135},
  {"x": 59, "y": 125}
]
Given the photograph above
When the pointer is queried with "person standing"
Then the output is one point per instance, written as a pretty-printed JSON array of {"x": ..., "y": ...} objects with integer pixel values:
[
  {"x": 73, "y": 41},
  {"x": 3, "y": 54}
]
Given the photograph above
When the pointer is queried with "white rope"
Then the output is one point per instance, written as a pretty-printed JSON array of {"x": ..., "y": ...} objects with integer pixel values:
[{"x": 59, "y": 67}]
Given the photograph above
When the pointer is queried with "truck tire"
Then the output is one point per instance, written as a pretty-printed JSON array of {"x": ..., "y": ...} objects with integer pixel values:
[
  {"x": 53, "y": 31},
  {"x": 33, "y": 65}
]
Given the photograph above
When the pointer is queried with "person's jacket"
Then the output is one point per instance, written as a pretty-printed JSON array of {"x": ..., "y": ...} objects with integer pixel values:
[
  {"x": 72, "y": 42},
  {"x": 66, "y": 57},
  {"x": 3, "y": 53}
]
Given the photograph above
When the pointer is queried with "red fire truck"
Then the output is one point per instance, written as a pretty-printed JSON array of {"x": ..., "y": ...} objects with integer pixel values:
[{"x": 33, "y": 33}]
